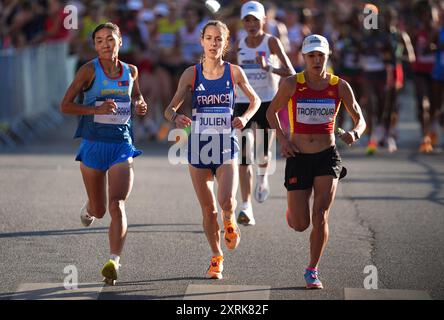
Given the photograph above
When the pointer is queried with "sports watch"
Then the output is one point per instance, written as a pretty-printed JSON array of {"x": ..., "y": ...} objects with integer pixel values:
[{"x": 356, "y": 135}]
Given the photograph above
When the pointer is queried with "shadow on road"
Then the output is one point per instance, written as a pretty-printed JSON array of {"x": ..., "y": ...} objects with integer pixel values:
[
  {"x": 45, "y": 233},
  {"x": 125, "y": 296}
]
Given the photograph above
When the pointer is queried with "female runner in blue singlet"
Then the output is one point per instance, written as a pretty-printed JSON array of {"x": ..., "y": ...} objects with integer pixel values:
[
  {"x": 213, "y": 146},
  {"x": 109, "y": 86}
]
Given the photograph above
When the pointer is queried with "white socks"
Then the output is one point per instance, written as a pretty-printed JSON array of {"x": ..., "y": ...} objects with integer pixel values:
[
  {"x": 245, "y": 205},
  {"x": 116, "y": 259}
]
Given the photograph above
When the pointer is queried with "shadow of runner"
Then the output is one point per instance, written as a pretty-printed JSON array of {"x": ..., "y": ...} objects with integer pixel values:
[
  {"x": 45, "y": 233},
  {"x": 54, "y": 291}
]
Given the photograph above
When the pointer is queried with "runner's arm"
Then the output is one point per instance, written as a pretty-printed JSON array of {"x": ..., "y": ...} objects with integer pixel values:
[
  {"x": 83, "y": 79},
  {"x": 280, "y": 100},
  {"x": 277, "y": 48},
  {"x": 240, "y": 79},
  {"x": 353, "y": 108},
  {"x": 136, "y": 96},
  {"x": 185, "y": 84}
]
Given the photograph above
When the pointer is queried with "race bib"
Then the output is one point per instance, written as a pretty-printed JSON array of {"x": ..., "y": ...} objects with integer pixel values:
[
  {"x": 372, "y": 63},
  {"x": 212, "y": 121},
  {"x": 315, "y": 111},
  {"x": 122, "y": 115}
]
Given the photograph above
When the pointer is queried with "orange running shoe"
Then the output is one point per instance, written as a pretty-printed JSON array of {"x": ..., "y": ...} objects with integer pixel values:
[
  {"x": 232, "y": 233},
  {"x": 434, "y": 138},
  {"x": 426, "y": 145},
  {"x": 162, "y": 134},
  {"x": 371, "y": 147},
  {"x": 216, "y": 267}
]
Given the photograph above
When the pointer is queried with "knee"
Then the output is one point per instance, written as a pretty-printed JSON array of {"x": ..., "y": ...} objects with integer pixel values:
[
  {"x": 209, "y": 212},
  {"x": 228, "y": 204},
  {"x": 298, "y": 225},
  {"x": 97, "y": 210},
  {"x": 117, "y": 208},
  {"x": 320, "y": 218}
]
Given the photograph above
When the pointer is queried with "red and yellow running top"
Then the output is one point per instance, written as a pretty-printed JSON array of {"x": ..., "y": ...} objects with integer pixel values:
[{"x": 314, "y": 111}]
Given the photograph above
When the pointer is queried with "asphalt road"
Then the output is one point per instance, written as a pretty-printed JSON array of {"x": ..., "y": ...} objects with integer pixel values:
[{"x": 388, "y": 214}]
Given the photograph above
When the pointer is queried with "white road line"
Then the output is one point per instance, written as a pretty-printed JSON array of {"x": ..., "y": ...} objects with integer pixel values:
[
  {"x": 385, "y": 294},
  {"x": 226, "y": 292}
]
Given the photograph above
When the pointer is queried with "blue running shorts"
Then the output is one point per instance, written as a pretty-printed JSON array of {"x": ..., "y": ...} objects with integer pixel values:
[{"x": 103, "y": 155}]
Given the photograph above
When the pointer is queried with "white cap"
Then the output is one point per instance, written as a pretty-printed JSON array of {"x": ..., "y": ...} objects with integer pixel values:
[
  {"x": 253, "y": 8},
  {"x": 134, "y": 4},
  {"x": 161, "y": 9},
  {"x": 212, "y": 5},
  {"x": 315, "y": 42},
  {"x": 146, "y": 15}
]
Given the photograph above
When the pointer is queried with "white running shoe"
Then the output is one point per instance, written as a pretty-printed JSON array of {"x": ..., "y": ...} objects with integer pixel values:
[
  {"x": 262, "y": 189},
  {"x": 246, "y": 217},
  {"x": 391, "y": 144},
  {"x": 85, "y": 218}
]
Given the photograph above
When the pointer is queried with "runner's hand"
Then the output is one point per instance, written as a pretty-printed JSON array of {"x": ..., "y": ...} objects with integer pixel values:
[
  {"x": 239, "y": 122},
  {"x": 260, "y": 60},
  {"x": 347, "y": 137},
  {"x": 108, "y": 107},
  {"x": 182, "y": 121},
  {"x": 288, "y": 149},
  {"x": 141, "y": 107}
]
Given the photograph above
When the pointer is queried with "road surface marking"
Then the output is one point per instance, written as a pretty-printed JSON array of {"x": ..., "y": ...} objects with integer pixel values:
[{"x": 226, "y": 292}]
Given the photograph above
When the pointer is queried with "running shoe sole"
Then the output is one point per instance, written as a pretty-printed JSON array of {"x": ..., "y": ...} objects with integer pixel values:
[
  {"x": 244, "y": 220},
  {"x": 109, "y": 273}
]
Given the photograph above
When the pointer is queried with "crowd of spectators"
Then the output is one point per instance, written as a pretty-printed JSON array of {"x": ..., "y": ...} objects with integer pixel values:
[{"x": 162, "y": 38}]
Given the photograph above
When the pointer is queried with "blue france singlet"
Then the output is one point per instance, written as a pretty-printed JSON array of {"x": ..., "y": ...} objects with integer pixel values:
[
  {"x": 212, "y": 139},
  {"x": 113, "y": 127},
  {"x": 438, "y": 69}
]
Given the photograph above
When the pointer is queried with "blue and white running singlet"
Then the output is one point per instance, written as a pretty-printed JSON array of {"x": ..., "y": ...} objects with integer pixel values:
[{"x": 212, "y": 140}]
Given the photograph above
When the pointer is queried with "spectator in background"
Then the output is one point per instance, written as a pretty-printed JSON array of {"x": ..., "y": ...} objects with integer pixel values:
[
  {"x": 146, "y": 128},
  {"x": 54, "y": 23},
  {"x": 82, "y": 44},
  {"x": 168, "y": 65},
  {"x": 297, "y": 30},
  {"x": 22, "y": 22}
]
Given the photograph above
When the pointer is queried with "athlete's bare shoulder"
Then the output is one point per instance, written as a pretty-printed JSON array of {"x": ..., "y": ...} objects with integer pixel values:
[
  {"x": 344, "y": 87},
  {"x": 188, "y": 76},
  {"x": 134, "y": 70},
  {"x": 87, "y": 68},
  {"x": 85, "y": 75}
]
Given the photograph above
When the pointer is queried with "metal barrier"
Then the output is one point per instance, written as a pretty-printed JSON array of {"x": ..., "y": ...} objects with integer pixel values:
[{"x": 32, "y": 84}]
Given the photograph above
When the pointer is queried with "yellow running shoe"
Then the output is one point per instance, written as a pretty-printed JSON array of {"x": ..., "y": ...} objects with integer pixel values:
[
  {"x": 109, "y": 272},
  {"x": 232, "y": 233},
  {"x": 371, "y": 147},
  {"x": 216, "y": 267}
]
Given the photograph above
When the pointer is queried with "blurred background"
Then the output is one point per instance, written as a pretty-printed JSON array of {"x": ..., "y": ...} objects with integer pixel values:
[{"x": 402, "y": 53}]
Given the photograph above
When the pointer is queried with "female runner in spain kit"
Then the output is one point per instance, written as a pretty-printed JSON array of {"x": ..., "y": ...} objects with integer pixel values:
[{"x": 313, "y": 163}]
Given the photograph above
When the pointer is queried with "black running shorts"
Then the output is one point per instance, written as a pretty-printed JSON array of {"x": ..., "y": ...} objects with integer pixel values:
[
  {"x": 301, "y": 169},
  {"x": 260, "y": 117}
]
